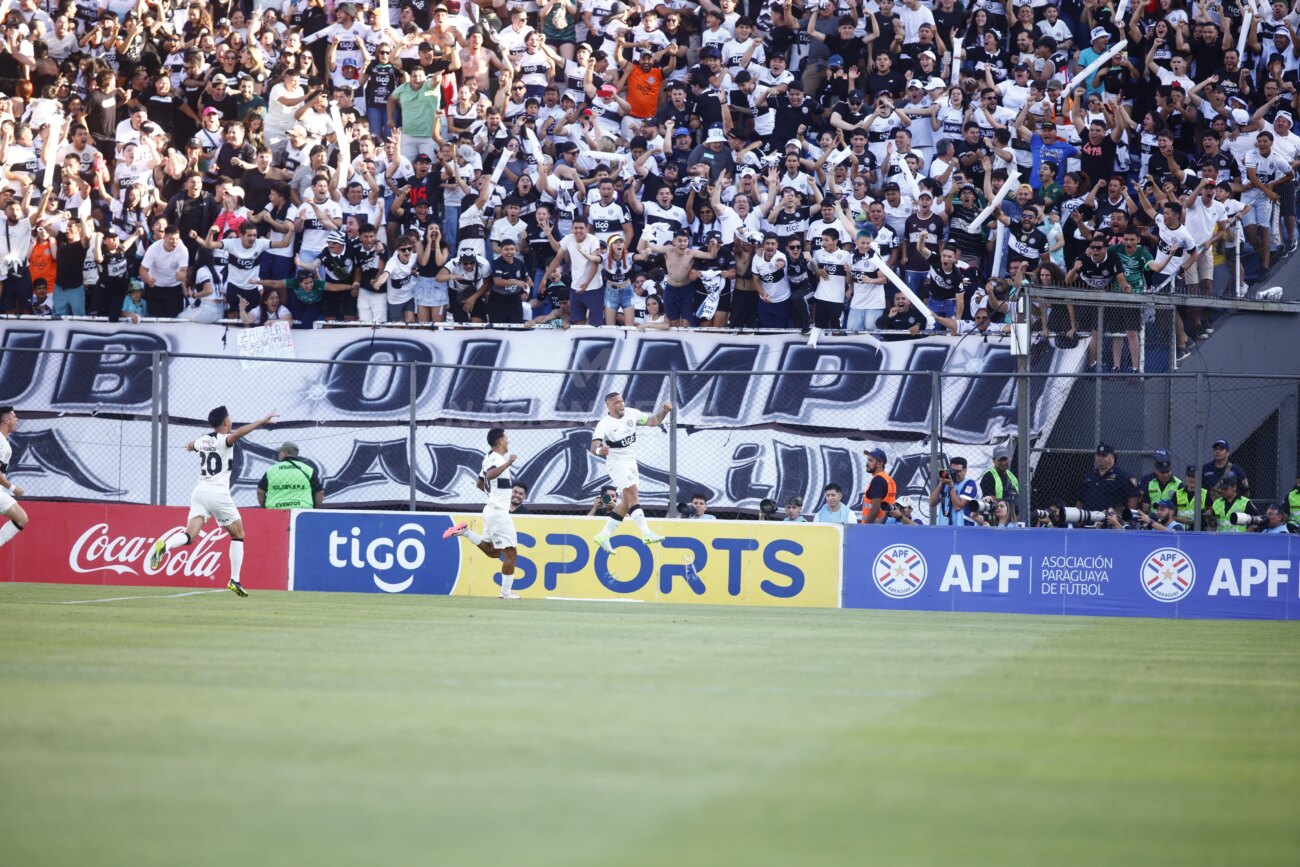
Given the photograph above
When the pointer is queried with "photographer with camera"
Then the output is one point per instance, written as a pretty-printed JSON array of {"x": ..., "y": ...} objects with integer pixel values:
[
  {"x": 953, "y": 496},
  {"x": 1164, "y": 518},
  {"x": 996, "y": 513},
  {"x": 1275, "y": 521},
  {"x": 1107, "y": 486},
  {"x": 1228, "y": 504},
  {"x": 699, "y": 508},
  {"x": 603, "y": 505}
]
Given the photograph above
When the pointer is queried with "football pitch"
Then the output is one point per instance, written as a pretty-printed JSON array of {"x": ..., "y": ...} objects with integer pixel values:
[{"x": 331, "y": 729}]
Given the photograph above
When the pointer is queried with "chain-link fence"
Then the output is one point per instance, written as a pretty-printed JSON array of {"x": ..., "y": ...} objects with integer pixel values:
[{"x": 400, "y": 432}]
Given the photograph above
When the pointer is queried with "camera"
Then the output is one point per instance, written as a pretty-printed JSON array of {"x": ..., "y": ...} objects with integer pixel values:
[
  {"x": 606, "y": 499},
  {"x": 1241, "y": 519},
  {"x": 1062, "y": 516},
  {"x": 684, "y": 509},
  {"x": 766, "y": 508},
  {"x": 988, "y": 509}
]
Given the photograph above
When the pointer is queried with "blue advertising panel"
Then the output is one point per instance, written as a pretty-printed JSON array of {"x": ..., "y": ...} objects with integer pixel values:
[
  {"x": 1088, "y": 572},
  {"x": 372, "y": 552}
]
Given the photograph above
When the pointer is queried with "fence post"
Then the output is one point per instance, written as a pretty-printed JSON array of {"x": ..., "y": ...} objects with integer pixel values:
[
  {"x": 936, "y": 383},
  {"x": 672, "y": 444},
  {"x": 1140, "y": 363},
  {"x": 410, "y": 435},
  {"x": 1202, "y": 401},
  {"x": 164, "y": 422},
  {"x": 1236, "y": 264},
  {"x": 155, "y": 412},
  {"x": 1024, "y": 423}
]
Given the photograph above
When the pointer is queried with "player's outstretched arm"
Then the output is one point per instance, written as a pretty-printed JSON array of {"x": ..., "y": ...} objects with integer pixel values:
[
  {"x": 658, "y": 418},
  {"x": 241, "y": 432}
]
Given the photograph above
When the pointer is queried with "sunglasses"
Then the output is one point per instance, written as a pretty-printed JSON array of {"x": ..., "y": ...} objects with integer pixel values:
[{"x": 405, "y": 249}]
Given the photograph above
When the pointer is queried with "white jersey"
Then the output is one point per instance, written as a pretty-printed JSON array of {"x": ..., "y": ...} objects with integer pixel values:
[
  {"x": 620, "y": 435},
  {"x": 498, "y": 489},
  {"x": 6, "y": 453},
  {"x": 215, "y": 458},
  {"x": 244, "y": 262}
]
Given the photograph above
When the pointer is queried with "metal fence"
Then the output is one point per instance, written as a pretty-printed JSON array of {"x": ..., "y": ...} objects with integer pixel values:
[{"x": 410, "y": 435}]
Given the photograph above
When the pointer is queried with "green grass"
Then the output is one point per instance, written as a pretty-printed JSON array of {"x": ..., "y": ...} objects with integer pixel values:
[{"x": 311, "y": 729}]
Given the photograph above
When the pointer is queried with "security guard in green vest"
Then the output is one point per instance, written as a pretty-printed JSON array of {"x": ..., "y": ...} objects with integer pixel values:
[
  {"x": 1188, "y": 499},
  {"x": 1229, "y": 503},
  {"x": 1293, "y": 504},
  {"x": 999, "y": 482},
  {"x": 291, "y": 483},
  {"x": 1162, "y": 484}
]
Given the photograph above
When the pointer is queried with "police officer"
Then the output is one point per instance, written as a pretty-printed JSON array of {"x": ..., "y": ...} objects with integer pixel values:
[
  {"x": 291, "y": 483},
  {"x": 1107, "y": 486},
  {"x": 1161, "y": 484},
  {"x": 1220, "y": 467},
  {"x": 1229, "y": 502},
  {"x": 881, "y": 490},
  {"x": 999, "y": 482},
  {"x": 1188, "y": 499}
]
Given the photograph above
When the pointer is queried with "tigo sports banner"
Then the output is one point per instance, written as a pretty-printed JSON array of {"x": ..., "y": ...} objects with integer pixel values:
[
  {"x": 1089, "y": 572},
  {"x": 756, "y": 417},
  {"x": 712, "y": 562},
  {"x": 105, "y": 543}
]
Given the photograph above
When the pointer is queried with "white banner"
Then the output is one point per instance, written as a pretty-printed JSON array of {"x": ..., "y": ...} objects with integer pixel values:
[{"x": 758, "y": 416}]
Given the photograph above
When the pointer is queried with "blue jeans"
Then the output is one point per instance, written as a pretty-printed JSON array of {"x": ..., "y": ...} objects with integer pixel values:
[
  {"x": 942, "y": 308},
  {"x": 774, "y": 314},
  {"x": 863, "y": 319},
  {"x": 69, "y": 301},
  {"x": 450, "y": 225},
  {"x": 377, "y": 118}
]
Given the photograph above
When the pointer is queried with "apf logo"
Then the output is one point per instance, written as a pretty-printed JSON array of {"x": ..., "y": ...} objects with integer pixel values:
[
  {"x": 380, "y": 554},
  {"x": 1168, "y": 575},
  {"x": 899, "y": 571}
]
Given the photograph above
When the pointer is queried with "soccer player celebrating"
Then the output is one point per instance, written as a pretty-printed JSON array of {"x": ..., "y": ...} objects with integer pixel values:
[
  {"x": 211, "y": 497},
  {"x": 498, "y": 537},
  {"x": 612, "y": 440},
  {"x": 9, "y": 492}
]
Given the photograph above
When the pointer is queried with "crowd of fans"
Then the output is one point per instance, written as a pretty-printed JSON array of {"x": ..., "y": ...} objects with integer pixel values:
[{"x": 607, "y": 162}]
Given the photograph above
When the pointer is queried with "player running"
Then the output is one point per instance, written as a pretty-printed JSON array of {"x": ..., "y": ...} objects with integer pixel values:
[
  {"x": 498, "y": 537},
  {"x": 9, "y": 492},
  {"x": 612, "y": 440},
  {"x": 211, "y": 497}
]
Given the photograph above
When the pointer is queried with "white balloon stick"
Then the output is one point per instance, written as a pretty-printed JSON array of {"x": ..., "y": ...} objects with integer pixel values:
[
  {"x": 901, "y": 286},
  {"x": 1012, "y": 179},
  {"x": 955, "y": 72},
  {"x": 1087, "y": 72},
  {"x": 1246, "y": 19},
  {"x": 999, "y": 247},
  {"x": 1119, "y": 14},
  {"x": 501, "y": 166}
]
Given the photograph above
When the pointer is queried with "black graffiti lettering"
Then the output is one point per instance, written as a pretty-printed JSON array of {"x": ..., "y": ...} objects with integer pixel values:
[
  {"x": 916, "y": 392},
  {"x": 726, "y": 394},
  {"x": 912, "y": 473},
  {"x": 449, "y": 462},
  {"x": 582, "y": 392},
  {"x": 469, "y": 389},
  {"x": 988, "y": 398},
  {"x": 376, "y": 387},
  {"x": 18, "y": 368},
  {"x": 850, "y": 382},
  {"x": 43, "y": 452},
  {"x": 740, "y": 478},
  {"x": 117, "y": 371},
  {"x": 372, "y": 463},
  {"x": 793, "y": 473},
  {"x": 576, "y": 483}
]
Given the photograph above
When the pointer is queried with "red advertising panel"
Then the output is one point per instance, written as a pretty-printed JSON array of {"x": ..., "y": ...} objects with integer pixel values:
[{"x": 107, "y": 543}]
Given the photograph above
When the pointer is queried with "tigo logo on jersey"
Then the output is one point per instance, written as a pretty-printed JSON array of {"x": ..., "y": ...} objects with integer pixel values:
[
  {"x": 1168, "y": 575},
  {"x": 367, "y": 552},
  {"x": 899, "y": 571}
]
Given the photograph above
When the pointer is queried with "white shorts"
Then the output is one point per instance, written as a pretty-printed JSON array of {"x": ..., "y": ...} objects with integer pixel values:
[
  {"x": 212, "y": 503},
  {"x": 499, "y": 528},
  {"x": 622, "y": 475},
  {"x": 7, "y": 501}
]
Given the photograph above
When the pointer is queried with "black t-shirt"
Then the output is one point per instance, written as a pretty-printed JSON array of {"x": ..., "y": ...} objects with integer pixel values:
[
  {"x": 852, "y": 49},
  {"x": 891, "y": 82},
  {"x": 515, "y": 270},
  {"x": 901, "y": 322},
  {"x": 975, "y": 170},
  {"x": 1100, "y": 275},
  {"x": 943, "y": 285},
  {"x": 1025, "y": 246},
  {"x": 1098, "y": 161},
  {"x": 69, "y": 261}
]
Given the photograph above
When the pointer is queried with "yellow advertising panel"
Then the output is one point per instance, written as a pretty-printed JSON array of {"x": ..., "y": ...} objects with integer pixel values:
[{"x": 710, "y": 562}]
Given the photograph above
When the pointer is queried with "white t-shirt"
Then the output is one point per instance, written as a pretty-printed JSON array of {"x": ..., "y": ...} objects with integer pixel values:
[
  {"x": 580, "y": 267},
  {"x": 401, "y": 279},
  {"x": 620, "y": 434},
  {"x": 836, "y": 266},
  {"x": 243, "y": 262},
  {"x": 163, "y": 266},
  {"x": 215, "y": 459},
  {"x": 498, "y": 489}
]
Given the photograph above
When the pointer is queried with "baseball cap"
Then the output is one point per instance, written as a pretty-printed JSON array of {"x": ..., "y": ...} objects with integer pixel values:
[
  {"x": 219, "y": 78},
  {"x": 297, "y": 129},
  {"x": 607, "y": 90},
  {"x": 1104, "y": 449},
  {"x": 1000, "y": 452},
  {"x": 423, "y": 158},
  {"x": 835, "y": 61},
  {"x": 857, "y": 96},
  {"x": 210, "y": 110},
  {"x": 1287, "y": 115},
  {"x": 1098, "y": 33},
  {"x": 1240, "y": 116},
  {"x": 682, "y": 132},
  {"x": 1055, "y": 84},
  {"x": 1166, "y": 503},
  {"x": 1221, "y": 444},
  {"x": 710, "y": 51},
  {"x": 926, "y": 193},
  {"x": 878, "y": 454},
  {"x": 935, "y": 84},
  {"x": 1020, "y": 67},
  {"x": 916, "y": 84},
  {"x": 1228, "y": 479},
  {"x": 467, "y": 252},
  {"x": 1163, "y": 459},
  {"x": 336, "y": 237}
]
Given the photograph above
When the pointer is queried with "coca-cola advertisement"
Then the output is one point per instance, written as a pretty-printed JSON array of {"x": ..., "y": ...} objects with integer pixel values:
[{"x": 94, "y": 543}]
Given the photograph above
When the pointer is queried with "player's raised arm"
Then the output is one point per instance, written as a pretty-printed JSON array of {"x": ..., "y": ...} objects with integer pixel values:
[
  {"x": 492, "y": 473},
  {"x": 241, "y": 432},
  {"x": 658, "y": 418}
]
